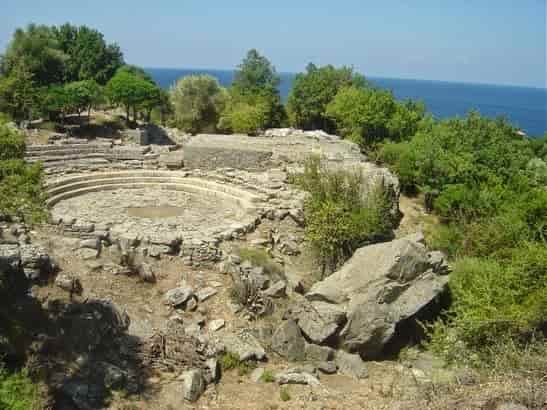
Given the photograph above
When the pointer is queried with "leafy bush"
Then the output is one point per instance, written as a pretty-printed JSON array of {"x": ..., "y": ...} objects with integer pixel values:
[
  {"x": 254, "y": 103},
  {"x": 367, "y": 116},
  {"x": 496, "y": 301},
  {"x": 17, "y": 392},
  {"x": 284, "y": 394},
  {"x": 259, "y": 257},
  {"x": 231, "y": 361},
  {"x": 198, "y": 101},
  {"x": 340, "y": 217},
  {"x": 267, "y": 377},
  {"x": 244, "y": 117},
  {"x": 312, "y": 92},
  {"x": 12, "y": 143},
  {"x": 20, "y": 184}
]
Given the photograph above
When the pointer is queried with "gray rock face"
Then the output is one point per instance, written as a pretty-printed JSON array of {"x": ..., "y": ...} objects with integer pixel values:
[
  {"x": 69, "y": 283},
  {"x": 318, "y": 320},
  {"x": 277, "y": 290},
  {"x": 146, "y": 273},
  {"x": 35, "y": 261},
  {"x": 380, "y": 286},
  {"x": 327, "y": 367},
  {"x": 296, "y": 376},
  {"x": 315, "y": 353},
  {"x": 288, "y": 341},
  {"x": 245, "y": 345},
  {"x": 351, "y": 365},
  {"x": 193, "y": 385},
  {"x": 177, "y": 296}
]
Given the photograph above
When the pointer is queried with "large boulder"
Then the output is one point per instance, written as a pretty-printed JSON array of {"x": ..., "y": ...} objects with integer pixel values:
[
  {"x": 318, "y": 320},
  {"x": 287, "y": 341},
  {"x": 380, "y": 287}
]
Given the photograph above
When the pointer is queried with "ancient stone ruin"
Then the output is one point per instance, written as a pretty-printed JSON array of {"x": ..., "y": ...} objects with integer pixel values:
[{"x": 187, "y": 203}]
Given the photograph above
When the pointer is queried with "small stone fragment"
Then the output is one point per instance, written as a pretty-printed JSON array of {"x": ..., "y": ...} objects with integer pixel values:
[
  {"x": 193, "y": 385},
  {"x": 177, "y": 296},
  {"x": 215, "y": 325},
  {"x": 351, "y": 365},
  {"x": 277, "y": 290},
  {"x": 206, "y": 293}
]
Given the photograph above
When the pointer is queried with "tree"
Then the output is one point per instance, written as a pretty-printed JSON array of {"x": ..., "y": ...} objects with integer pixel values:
[
  {"x": 255, "y": 75},
  {"x": 132, "y": 92},
  {"x": 90, "y": 57},
  {"x": 19, "y": 94},
  {"x": 83, "y": 95},
  {"x": 37, "y": 50},
  {"x": 56, "y": 103},
  {"x": 244, "y": 117},
  {"x": 313, "y": 90},
  {"x": 256, "y": 83},
  {"x": 198, "y": 101}
]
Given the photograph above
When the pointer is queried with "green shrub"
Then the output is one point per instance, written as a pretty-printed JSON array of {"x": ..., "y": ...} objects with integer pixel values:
[
  {"x": 20, "y": 184},
  {"x": 198, "y": 101},
  {"x": 231, "y": 361},
  {"x": 267, "y": 377},
  {"x": 340, "y": 217},
  {"x": 496, "y": 301},
  {"x": 284, "y": 394},
  {"x": 17, "y": 392},
  {"x": 260, "y": 257},
  {"x": 244, "y": 117},
  {"x": 12, "y": 143}
]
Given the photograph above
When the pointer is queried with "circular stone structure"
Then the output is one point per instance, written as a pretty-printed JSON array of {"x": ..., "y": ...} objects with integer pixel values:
[{"x": 159, "y": 211}]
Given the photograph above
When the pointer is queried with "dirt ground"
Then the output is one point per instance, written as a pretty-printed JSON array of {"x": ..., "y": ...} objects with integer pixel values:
[{"x": 390, "y": 385}]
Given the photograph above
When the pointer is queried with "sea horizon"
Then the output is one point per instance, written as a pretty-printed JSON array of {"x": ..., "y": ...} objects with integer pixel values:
[
  {"x": 524, "y": 106},
  {"x": 382, "y": 77}
]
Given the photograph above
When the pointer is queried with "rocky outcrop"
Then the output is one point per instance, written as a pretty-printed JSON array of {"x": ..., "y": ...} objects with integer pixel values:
[
  {"x": 31, "y": 260},
  {"x": 379, "y": 288}
]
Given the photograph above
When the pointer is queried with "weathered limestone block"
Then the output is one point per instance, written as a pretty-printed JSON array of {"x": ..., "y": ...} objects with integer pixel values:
[{"x": 379, "y": 287}]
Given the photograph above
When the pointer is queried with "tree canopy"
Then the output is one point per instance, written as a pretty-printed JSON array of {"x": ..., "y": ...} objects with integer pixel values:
[
  {"x": 130, "y": 90},
  {"x": 198, "y": 101},
  {"x": 313, "y": 90},
  {"x": 89, "y": 56}
]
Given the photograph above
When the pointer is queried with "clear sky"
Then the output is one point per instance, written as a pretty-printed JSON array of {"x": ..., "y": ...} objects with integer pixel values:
[{"x": 488, "y": 41}]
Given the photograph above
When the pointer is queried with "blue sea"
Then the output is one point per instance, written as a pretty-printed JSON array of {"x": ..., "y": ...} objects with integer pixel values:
[{"x": 524, "y": 107}]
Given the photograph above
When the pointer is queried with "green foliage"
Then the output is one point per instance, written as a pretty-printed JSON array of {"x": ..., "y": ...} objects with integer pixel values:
[
  {"x": 243, "y": 117},
  {"x": 267, "y": 377},
  {"x": 312, "y": 92},
  {"x": 497, "y": 300},
  {"x": 255, "y": 76},
  {"x": 198, "y": 101},
  {"x": 89, "y": 56},
  {"x": 231, "y": 361},
  {"x": 20, "y": 184},
  {"x": 134, "y": 90},
  {"x": 17, "y": 392},
  {"x": 19, "y": 94},
  {"x": 340, "y": 216},
  {"x": 12, "y": 143},
  {"x": 284, "y": 394},
  {"x": 84, "y": 95},
  {"x": 254, "y": 103},
  {"x": 259, "y": 257},
  {"x": 487, "y": 185},
  {"x": 37, "y": 49},
  {"x": 368, "y": 116}
]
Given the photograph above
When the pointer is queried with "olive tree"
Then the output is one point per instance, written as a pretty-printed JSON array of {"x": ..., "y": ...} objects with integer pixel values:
[{"x": 198, "y": 101}]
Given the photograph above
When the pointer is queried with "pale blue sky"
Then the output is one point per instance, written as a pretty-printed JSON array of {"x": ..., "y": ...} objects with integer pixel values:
[{"x": 488, "y": 41}]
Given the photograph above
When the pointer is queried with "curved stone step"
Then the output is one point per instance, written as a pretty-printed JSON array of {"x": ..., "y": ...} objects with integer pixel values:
[
  {"x": 233, "y": 192},
  {"x": 168, "y": 186}
]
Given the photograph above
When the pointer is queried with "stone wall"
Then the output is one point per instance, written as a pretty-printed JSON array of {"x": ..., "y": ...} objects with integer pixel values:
[{"x": 214, "y": 157}]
